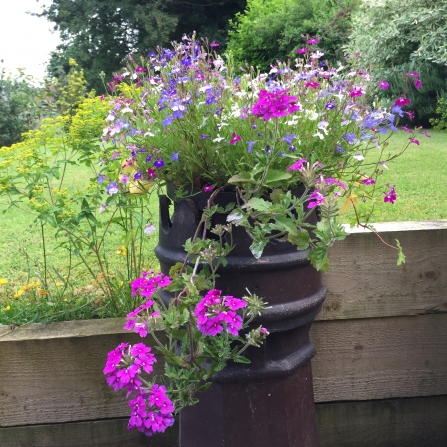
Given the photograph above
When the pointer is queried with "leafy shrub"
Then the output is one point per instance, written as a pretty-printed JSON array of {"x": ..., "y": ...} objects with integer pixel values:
[
  {"x": 273, "y": 30},
  {"x": 395, "y": 40},
  {"x": 73, "y": 91},
  {"x": 440, "y": 123},
  {"x": 19, "y": 107}
]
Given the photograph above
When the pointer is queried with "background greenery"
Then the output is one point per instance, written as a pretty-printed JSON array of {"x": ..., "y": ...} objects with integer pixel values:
[
  {"x": 100, "y": 34},
  {"x": 389, "y": 38},
  {"x": 273, "y": 30}
]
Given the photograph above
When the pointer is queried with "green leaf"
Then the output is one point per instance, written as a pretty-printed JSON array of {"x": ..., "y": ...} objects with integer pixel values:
[
  {"x": 284, "y": 223},
  {"x": 301, "y": 239},
  {"x": 243, "y": 177},
  {"x": 257, "y": 247},
  {"x": 241, "y": 359},
  {"x": 276, "y": 178},
  {"x": 276, "y": 196},
  {"x": 400, "y": 257},
  {"x": 318, "y": 258},
  {"x": 258, "y": 204}
]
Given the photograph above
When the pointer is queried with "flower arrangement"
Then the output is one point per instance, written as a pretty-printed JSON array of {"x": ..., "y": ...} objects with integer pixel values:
[{"x": 304, "y": 139}]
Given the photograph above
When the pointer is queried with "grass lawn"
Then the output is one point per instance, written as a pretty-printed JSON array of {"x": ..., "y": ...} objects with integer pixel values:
[
  {"x": 22, "y": 264},
  {"x": 419, "y": 177}
]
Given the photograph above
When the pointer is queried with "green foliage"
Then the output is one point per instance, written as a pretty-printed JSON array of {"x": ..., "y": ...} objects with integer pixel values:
[
  {"x": 74, "y": 90},
  {"x": 395, "y": 39},
  {"x": 440, "y": 123},
  {"x": 273, "y": 30},
  {"x": 19, "y": 106},
  {"x": 32, "y": 178},
  {"x": 100, "y": 35},
  {"x": 388, "y": 34},
  {"x": 424, "y": 100}
]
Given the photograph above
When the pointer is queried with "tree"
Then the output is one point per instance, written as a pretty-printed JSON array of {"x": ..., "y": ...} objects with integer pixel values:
[
  {"x": 19, "y": 106},
  {"x": 100, "y": 34},
  {"x": 270, "y": 30},
  {"x": 396, "y": 39}
]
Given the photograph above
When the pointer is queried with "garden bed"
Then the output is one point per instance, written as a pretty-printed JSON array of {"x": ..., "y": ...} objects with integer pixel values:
[{"x": 380, "y": 374}]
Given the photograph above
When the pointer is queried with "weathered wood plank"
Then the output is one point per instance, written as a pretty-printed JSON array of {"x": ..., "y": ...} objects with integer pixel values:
[
  {"x": 380, "y": 358},
  {"x": 412, "y": 422},
  {"x": 60, "y": 379},
  {"x": 364, "y": 280},
  {"x": 108, "y": 433},
  {"x": 63, "y": 329}
]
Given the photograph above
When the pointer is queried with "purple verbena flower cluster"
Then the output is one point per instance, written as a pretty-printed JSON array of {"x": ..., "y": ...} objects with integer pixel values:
[
  {"x": 215, "y": 313},
  {"x": 151, "y": 412},
  {"x": 274, "y": 104},
  {"x": 125, "y": 363}
]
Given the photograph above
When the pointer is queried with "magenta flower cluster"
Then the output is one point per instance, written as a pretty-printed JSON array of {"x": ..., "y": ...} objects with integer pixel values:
[
  {"x": 125, "y": 363},
  {"x": 151, "y": 412},
  {"x": 148, "y": 282},
  {"x": 274, "y": 104},
  {"x": 214, "y": 313},
  {"x": 145, "y": 286}
]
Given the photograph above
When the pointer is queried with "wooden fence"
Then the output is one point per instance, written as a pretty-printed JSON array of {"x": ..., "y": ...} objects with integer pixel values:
[{"x": 380, "y": 373}]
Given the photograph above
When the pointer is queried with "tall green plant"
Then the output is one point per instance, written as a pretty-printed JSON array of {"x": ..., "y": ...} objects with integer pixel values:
[{"x": 32, "y": 178}]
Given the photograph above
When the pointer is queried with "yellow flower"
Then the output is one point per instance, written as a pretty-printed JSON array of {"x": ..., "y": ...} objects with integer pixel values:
[
  {"x": 3, "y": 281},
  {"x": 121, "y": 250},
  {"x": 19, "y": 293},
  {"x": 59, "y": 284},
  {"x": 7, "y": 307}
]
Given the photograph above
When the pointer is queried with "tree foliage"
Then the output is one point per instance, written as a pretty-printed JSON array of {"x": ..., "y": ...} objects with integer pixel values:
[
  {"x": 270, "y": 30},
  {"x": 19, "y": 106},
  {"x": 100, "y": 34},
  {"x": 395, "y": 39}
]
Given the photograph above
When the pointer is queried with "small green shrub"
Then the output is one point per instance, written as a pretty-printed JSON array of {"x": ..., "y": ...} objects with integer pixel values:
[{"x": 440, "y": 123}]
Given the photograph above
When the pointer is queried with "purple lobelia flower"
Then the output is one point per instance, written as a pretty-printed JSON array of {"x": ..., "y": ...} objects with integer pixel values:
[
  {"x": 159, "y": 163},
  {"x": 390, "y": 196},
  {"x": 112, "y": 188}
]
